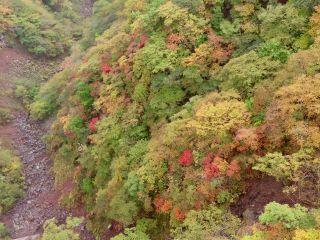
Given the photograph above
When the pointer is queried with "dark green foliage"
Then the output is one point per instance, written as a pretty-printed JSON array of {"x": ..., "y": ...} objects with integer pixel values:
[
  {"x": 77, "y": 126},
  {"x": 274, "y": 50},
  {"x": 87, "y": 186},
  {"x": 83, "y": 92},
  {"x": 258, "y": 118},
  {"x": 217, "y": 17},
  {"x": 165, "y": 102}
]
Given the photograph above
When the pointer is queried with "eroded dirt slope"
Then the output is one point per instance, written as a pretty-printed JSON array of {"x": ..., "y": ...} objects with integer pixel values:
[{"x": 40, "y": 202}]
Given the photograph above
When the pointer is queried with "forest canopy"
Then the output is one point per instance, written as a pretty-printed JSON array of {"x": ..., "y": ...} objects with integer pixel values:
[{"x": 167, "y": 110}]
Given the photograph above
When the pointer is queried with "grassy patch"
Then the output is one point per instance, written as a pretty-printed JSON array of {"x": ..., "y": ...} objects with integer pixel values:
[{"x": 5, "y": 116}]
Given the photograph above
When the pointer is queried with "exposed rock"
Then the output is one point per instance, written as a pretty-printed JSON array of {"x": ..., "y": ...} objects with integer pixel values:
[{"x": 33, "y": 237}]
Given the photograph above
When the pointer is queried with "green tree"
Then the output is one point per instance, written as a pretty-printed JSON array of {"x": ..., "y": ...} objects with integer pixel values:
[
  {"x": 291, "y": 217},
  {"x": 11, "y": 179},
  {"x": 52, "y": 231},
  {"x": 282, "y": 23},
  {"x": 207, "y": 223},
  {"x": 244, "y": 73}
]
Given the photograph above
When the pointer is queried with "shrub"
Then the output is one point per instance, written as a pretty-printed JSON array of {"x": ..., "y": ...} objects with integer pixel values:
[
  {"x": 211, "y": 170},
  {"x": 131, "y": 234},
  {"x": 291, "y": 217},
  {"x": 310, "y": 234},
  {"x": 217, "y": 119},
  {"x": 210, "y": 223},
  {"x": 3, "y": 232},
  {"x": 244, "y": 73},
  {"x": 47, "y": 100},
  {"x": 75, "y": 127},
  {"x": 282, "y": 23},
  {"x": 275, "y": 50},
  {"x": 52, "y": 231},
  {"x": 11, "y": 179},
  {"x": 5, "y": 116},
  {"x": 283, "y": 167},
  {"x": 87, "y": 186},
  {"x": 92, "y": 124},
  {"x": 223, "y": 197},
  {"x": 186, "y": 158},
  {"x": 37, "y": 41},
  {"x": 83, "y": 92}
]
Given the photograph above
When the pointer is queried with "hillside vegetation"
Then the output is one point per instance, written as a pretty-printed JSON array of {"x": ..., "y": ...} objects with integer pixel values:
[
  {"x": 45, "y": 28},
  {"x": 167, "y": 108}
]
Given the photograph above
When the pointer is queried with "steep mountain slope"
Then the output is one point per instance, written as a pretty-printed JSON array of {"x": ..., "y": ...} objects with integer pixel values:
[{"x": 168, "y": 112}]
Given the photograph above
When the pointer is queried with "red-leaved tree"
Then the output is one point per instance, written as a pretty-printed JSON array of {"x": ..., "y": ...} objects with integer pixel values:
[
  {"x": 106, "y": 68},
  {"x": 211, "y": 167},
  {"x": 186, "y": 158},
  {"x": 233, "y": 169},
  {"x": 92, "y": 124},
  {"x": 179, "y": 214}
]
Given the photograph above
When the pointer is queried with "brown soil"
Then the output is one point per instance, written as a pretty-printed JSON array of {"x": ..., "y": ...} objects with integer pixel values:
[
  {"x": 258, "y": 193},
  {"x": 8, "y": 56}
]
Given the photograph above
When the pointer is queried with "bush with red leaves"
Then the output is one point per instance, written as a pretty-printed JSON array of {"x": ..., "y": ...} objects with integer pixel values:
[
  {"x": 233, "y": 169},
  {"x": 106, "y": 68},
  {"x": 162, "y": 205},
  {"x": 198, "y": 205},
  {"x": 186, "y": 158},
  {"x": 211, "y": 167},
  {"x": 174, "y": 39},
  {"x": 211, "y": 171},
  {"x": 166, "y": 206},
  {"x": 179, "y": 215},
  {"x": 92, "y": 124}
]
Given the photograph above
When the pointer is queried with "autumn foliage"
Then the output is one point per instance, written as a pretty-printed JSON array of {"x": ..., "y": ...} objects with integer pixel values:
[
  {"x": 177, "y": 104},
  {"x": 186, "y": 158},
  {"x": 162, "y": 205},
  {"x": 92, "y": 124},
  {"x": 106, "y": 68}
]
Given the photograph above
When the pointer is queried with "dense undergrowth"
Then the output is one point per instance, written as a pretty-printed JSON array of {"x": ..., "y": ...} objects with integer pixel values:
[
  {"x": 11, "y": 181},
  {"x": 45, "y": 28},
  {"x": 166, "y": 108}
]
